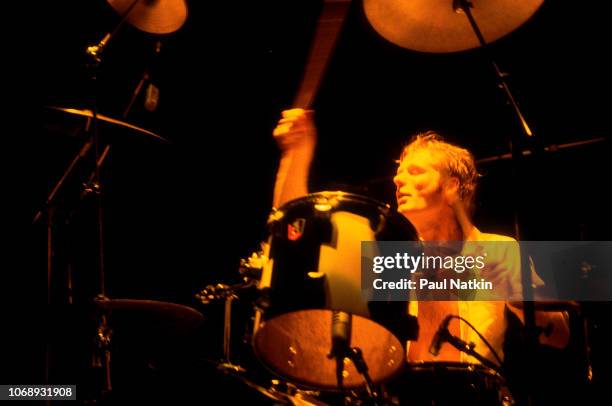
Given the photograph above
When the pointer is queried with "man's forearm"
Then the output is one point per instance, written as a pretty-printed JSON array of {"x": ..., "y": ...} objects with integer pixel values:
[{"x": 292, "y": 176}]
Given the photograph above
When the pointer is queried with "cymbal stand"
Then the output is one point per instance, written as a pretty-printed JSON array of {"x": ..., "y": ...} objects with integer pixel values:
[
  {"x": 464, "y": 7},
  {"x": 95, "y": 53},
  {"x": 101, "y": 358},
  {"x": 50, "y": 210},
  {"x": 531, "y": 331}
]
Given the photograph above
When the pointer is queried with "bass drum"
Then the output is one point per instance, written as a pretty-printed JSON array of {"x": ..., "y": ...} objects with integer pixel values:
[
  {"x": 312, "y": 271},
  {"x": 450, "y": 383}
]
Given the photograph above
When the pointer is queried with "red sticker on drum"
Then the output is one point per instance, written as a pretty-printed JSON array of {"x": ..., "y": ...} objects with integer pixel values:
[{"x": 295, "y": 229}]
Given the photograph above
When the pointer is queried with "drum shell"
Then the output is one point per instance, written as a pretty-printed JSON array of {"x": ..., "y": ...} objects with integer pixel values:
[
  {"x": 450, "y": 383},
  {"x": 313, "y": 267}
]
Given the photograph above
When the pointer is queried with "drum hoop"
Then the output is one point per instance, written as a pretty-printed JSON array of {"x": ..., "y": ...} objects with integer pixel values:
[
  {"x": 340, "y": 196},
  {"x": 451, "y": 366}
]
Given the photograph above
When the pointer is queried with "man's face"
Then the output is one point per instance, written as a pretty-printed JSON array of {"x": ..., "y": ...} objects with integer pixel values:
[{"x": 419, "y": 185}]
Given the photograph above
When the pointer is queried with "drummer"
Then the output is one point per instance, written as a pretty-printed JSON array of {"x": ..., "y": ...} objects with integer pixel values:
[{"x": 435, "y": 187}]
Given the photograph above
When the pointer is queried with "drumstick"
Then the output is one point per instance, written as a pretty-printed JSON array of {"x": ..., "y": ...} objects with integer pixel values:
[{"x": 326, "y": 34}]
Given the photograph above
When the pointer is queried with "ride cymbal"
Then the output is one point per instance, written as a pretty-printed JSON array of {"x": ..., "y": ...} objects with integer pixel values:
[
  {"x": 435, "y": 26},
  {"x": 152, "y": 16}
]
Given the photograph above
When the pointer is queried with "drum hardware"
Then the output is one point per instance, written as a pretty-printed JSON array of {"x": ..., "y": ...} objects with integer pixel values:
[
  {"x": 451, "y": 383},
  {"x": 290, "y": 389},
  {"x": 341, "y": 350},
  {"x": 250, "y": 270},
  {"x": 153, "y": 17},
  {"x": 551, "y": 148},
  {"x": 222, "y": 292},
  {"x": 147, "y": 323},
  {"x": 355, "y": 355},
  {"x": 443, "y": 335},
  {"x": 464, "y": 6},
  {"x": 252, "y": 266},
  {"x": 227, "y": 293},
  {"x": 101, "y": 356},
  {"x": 279, "y": 392}
]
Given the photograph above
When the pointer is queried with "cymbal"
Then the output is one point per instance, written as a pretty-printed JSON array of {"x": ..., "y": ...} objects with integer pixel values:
[
  {"x": 152, "y": 16},
  {"x": 150, "y": 319},
  {"x": 102, "y": 117},
  {"x": 551, "y": 305},
  {"x": 434, "y": 26}
]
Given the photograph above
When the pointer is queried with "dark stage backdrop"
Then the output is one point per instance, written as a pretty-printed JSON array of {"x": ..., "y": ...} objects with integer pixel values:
[
  {"x": 181, "y": 215},
  {"x": 186, "y": 212}
]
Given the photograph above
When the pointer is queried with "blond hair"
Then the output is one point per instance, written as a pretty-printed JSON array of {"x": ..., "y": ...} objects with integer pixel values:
[{"x": 456, "y": 161}]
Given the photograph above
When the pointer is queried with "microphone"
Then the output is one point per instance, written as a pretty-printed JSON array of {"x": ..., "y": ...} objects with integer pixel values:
[
  {"x": 340, "y": 341},
  {"x": 341, "y": 333},
  {"x": 441, "y": 336}
]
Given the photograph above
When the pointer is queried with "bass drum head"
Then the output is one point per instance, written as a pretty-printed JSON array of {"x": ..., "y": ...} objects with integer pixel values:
[{"x": 295, "y": 345}]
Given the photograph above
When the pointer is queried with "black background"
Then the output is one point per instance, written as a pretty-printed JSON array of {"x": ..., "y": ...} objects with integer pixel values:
[
  {"x": 181, "y": 215},
  {"x": 191, "y": 209}
]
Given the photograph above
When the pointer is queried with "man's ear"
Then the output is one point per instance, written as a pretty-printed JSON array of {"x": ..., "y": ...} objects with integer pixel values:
[{"x": 451, "y": 190}]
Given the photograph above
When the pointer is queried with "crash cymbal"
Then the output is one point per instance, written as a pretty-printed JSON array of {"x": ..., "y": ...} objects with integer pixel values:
[
  {"x": 101, "y": 117},
  {"x": 150, "y": 318},
  {"x": 551, "y": 305},
  {"x": 152, "y": 16},
  {"x": 434, "y": 26}
]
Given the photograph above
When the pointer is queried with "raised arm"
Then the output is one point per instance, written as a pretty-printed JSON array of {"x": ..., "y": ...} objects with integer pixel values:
[{"x": 296, "y": 136}]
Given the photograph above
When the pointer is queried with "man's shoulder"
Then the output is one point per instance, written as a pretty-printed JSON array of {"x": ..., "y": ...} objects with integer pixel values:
[
  {"x": 480, "y": 236},
  {"x": 500, "y": 246},
  {"x": 495, "y": 237}
]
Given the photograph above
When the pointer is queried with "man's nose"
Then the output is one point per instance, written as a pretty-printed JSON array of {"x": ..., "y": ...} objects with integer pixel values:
[{"x": 399, "y": 182}]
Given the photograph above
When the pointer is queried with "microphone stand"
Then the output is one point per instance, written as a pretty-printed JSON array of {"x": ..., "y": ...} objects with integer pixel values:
[
  {"x": 469, "y": 349},
  {"x": 341, "y": 349},
  {"x": 356, "y": 356}
]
